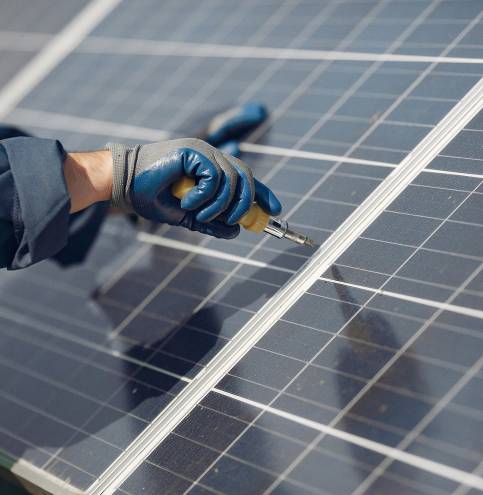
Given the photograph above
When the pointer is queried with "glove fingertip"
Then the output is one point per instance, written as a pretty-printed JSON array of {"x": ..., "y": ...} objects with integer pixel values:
[
  {"x": 189, "y": 202},
  {"x": 229, "y": 231},
  {"x": 275, "y": 207},
  {"x": 266, "y": 199}
]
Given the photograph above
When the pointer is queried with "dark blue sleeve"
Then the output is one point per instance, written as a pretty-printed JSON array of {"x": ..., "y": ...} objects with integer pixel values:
[{"x": 34, "y": 202}]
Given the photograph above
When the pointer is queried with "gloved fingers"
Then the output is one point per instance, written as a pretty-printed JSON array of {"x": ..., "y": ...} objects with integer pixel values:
[
  {"x": 226, "y": 191},
  {"x": 215, "y": 228},
  {"x": 208, "y": 175},
  {"x": 266, "y": 199},
  {"x": 244, "y": 195}
]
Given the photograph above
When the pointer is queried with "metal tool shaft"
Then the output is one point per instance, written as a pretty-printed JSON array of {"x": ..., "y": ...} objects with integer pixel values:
[{"x": 279, "y": 228}]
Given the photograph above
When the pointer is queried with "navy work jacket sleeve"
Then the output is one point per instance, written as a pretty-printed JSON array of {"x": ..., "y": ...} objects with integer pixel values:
[{"x": 34, "y": 202}]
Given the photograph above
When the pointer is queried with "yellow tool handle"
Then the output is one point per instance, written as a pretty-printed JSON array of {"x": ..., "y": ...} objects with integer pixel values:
[{"x": 255, "y": 220}]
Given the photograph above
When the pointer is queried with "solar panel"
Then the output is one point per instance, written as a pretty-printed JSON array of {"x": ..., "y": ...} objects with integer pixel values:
[
  {"x": 383, "y": 348},
  {"x": 26, "y": 28},
  {"x": 380, "y": 367}
]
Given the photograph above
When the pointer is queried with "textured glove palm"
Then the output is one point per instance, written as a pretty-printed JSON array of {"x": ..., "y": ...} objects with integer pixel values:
[{"x": 224, "y": 190}]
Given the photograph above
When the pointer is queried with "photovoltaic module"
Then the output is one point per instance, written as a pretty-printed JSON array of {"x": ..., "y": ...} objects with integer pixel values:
[{"x": 171, "y": 363}]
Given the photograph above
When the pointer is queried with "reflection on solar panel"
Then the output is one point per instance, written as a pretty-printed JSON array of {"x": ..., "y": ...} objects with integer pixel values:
[{"x": 191, "y": 365}]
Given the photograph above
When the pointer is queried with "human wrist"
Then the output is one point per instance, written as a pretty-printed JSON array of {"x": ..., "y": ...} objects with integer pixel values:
[
  {"x": 123, "y": 163},
  {"x": 88, "y": 177}
]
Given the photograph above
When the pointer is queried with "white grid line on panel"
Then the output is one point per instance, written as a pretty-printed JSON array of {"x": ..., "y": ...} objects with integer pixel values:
[
  {"x": 53, "y": 53},
  {"x": 448, "y": 397},
  {"x": 59, "y": 121},
  {"x": 392, "y": 360},
  {"x": 153, "y": 294},
  {"x": 332, "y": 110},
  {"x": 97, "y": 44},
  {"x": 184, "y": 246},
  {"x": 414, "y": 460},
  {"x": 436, "y": 146},
  {"x": 213, "y": 83},
  {"x": 462, "y": 489},
  {"x": 172, "y": 80}
]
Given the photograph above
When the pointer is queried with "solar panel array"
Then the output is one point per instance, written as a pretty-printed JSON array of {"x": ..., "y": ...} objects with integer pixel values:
[
  {"x": 404, "y": 373},
  {"x": 386, "y": 345}
]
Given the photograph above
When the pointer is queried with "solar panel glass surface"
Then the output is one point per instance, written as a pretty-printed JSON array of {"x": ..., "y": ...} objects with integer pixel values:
[{"x": 116, "y": 360}]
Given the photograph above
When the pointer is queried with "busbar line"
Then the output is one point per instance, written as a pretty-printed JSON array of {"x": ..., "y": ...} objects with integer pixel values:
[
  {"x": 462, "y": 489},
  {"x": 22, "y": 83},
  {"x": 313, "y": 155},
  {"x": 96, "y": 127},
  {"x": 213, "y": 253},
  {"x": 53, "y": 53},
  {"x": 290, "y": 293},
  {"x": 58, "y": 121},
  {"x": 309, "y": 155},
  {"x": 419, "y": 428},
  {"x": 101, "y": 44},
  {"x": 440, "y": 469}
]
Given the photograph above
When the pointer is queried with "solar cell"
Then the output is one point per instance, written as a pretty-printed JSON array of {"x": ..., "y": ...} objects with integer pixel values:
[{"x": 88, "y": 376}]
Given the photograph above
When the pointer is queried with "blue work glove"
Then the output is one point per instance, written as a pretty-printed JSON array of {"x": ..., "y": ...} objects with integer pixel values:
[
  {"x": 234, "y": 124},
  {"x": 224, "y": 190}
]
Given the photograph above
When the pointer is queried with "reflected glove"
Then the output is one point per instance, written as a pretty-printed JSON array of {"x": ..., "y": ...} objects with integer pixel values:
[
  {"x": 224, "y": 190},
  {"x": 226, "y": 129}
]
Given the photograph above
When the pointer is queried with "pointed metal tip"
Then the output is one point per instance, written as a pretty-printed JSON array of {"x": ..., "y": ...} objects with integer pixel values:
[{"x": 309, "y": 242}]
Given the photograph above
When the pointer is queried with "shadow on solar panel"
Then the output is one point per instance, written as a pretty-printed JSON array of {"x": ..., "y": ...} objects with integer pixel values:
[{"x": 73, "y": 397}]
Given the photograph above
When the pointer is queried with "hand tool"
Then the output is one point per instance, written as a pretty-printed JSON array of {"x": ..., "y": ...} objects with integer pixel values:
[{"x": 256, "y": 220}]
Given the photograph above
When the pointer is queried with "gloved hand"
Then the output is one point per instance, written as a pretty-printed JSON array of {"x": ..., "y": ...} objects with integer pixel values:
[{"x": 224, "y": 191}]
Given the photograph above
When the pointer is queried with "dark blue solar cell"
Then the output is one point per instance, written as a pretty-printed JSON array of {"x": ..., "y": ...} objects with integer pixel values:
[
  {"x": 355, "y": 358},
  {"x": 470, "y": 210},
  {"x": 152, "y": 480},
  {"x": 231, "y": 477},
  {"x": 471, "y": 394},
  {"x": 456, "y": 429},
  {"x": 328, "y": 473},
  {"x": 419, "y": 377},
  {"x": 115, "y": 427},
  {"x": 458, "y": 238},
  {"x": 183, "y": 457},
  {"x": 293, "y": 340},
  {"x": 438, "y": 203},
  {"x": 375, "y": 256},
  {"x": 89, "y": 454},
  {"x": 391, "y": 408},
  {"x": 200, "y": 424},
  {"x": 324, "y": 386},
  {"x": 320, "y": 313},
  {"x": 438, "y": 268},
  {"x": 57, "y": 360},
  {"x": 267, "y": 368},
  {"x": 266, "y": 450},
  {"x": 345, "y": 188}
]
